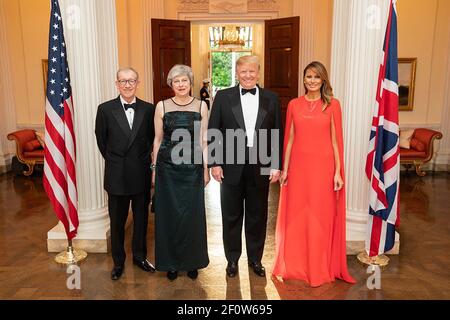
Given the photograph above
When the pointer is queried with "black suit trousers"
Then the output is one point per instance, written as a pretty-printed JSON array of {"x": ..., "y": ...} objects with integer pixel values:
[
  {"x": 249, "y": 200},
  {"x": 118, "y": 206}
]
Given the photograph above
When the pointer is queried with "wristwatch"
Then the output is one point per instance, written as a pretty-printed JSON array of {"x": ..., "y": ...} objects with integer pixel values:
[{"x": 152, "y": 166}]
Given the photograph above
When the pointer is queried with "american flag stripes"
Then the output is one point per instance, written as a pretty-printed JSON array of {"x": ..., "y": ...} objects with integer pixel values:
[
  {"x": 383, "y": 159},
  {"x": 59, "y": 165}
]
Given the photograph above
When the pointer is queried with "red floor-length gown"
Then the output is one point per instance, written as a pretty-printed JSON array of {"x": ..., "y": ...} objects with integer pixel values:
[{"x": 310, "y": 231}]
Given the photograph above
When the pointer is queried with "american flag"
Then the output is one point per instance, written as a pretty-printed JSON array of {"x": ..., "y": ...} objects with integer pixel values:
[
  {"x": 383, "y": 159},
  {"x": 59, "y": 165}
]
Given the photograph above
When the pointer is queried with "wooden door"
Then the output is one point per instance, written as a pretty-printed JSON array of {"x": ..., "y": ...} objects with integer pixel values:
[
  {"x": 281, "y": 55},
  {"x": 171, "y": 44}
]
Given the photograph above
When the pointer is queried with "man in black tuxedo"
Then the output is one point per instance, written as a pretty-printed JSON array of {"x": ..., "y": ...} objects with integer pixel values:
[
  {"x": 246, "y": 110},
  {"x": 125, "y": 132}
]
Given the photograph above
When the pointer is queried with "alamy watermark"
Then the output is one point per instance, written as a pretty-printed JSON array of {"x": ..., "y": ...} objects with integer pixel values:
[
  {"x": 373, "y": 17},
  {"x": 74, "y": 280},
  {"x": 264, "y": 150},
  {"x": 374, "y": 281}
]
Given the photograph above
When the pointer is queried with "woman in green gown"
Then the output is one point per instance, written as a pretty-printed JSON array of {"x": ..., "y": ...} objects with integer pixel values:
[{"x": 180, "y": 177}]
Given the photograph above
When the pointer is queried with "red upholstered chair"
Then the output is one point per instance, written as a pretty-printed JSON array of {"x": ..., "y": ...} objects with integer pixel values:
[
  {"x": 28, "y": 149},
  {"x": 421, "y": 150}
]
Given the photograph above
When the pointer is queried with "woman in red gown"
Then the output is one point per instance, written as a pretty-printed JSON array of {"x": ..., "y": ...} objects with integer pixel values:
[{"x": 310, "y": 231}]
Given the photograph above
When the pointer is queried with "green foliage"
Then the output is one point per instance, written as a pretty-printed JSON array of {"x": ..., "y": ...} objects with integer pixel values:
[{"x": 221, "y": 76}]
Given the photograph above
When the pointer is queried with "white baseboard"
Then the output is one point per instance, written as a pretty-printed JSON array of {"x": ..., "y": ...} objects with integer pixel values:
[
  {"x": 442, "y": 157},
  {"x": 5, "y": 163},
  {"x": 436, "y": 167}
]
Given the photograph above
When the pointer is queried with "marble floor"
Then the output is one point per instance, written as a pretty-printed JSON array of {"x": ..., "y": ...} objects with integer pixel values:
[{"x": 28, "y": 271}]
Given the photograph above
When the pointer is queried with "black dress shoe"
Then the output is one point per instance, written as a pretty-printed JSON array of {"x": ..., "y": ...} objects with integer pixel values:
[
  {"x": 232, "y": 269},
  {"x": 144, "y": 265},
  {"x": 116, "y": 273},
  {"x": 258, "y": 268},
  {"x": 193, "y": 274},
  {"x": 172, "y": 275}
]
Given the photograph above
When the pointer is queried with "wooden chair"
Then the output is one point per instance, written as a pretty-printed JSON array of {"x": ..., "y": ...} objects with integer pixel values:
[
  {"x": 28, "y": 149},
  {"x": 421, "y": 151}
]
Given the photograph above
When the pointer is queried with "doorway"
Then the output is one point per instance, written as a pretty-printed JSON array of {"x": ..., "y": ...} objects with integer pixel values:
[
  {"x": 217, "y": 62},
  {"x": 222, "y": 70},
  {"x": 275, "y": 42}
]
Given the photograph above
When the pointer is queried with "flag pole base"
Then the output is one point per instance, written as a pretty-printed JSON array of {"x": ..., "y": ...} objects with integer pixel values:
[
  {"x": 70, "y": 256},
  {"x": 381, "y": 260}
]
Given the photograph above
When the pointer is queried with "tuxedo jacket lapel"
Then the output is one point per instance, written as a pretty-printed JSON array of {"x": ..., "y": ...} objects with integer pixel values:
[
  {"x": 236, "y": 107},
  {"x": 262, "y": 108},
  {"x": 121, "y": 118}
]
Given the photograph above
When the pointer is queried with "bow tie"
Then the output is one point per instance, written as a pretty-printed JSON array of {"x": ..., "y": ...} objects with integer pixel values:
[
  {"x": 128, "y": 106},
  {"x": 252, "y": 91}
]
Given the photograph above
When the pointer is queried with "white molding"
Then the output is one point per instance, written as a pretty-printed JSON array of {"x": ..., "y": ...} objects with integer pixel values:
[
  {"x": 5, "y": 159},
  {"x": 442, "y": 160},
  {"x": 445, "y": 117},
  {"x": 34, "y": 126},
  {"x": 5, "y": 162},
  {"x": 7, "y": 100},
  {"x": 433, "y": 126},
  {"x": 247, "y": 17},
  {"x": 264, "y": 5},
  {"x": 92, "y": 242},
  {"x": 250, "y": 6}
]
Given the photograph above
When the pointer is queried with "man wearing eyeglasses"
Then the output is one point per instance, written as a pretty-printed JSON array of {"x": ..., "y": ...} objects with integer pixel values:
[{"x": 125, "y": 132}]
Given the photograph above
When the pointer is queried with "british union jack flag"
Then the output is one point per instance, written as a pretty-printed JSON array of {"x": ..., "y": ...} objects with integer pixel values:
[{"x": 383, "y": 158}]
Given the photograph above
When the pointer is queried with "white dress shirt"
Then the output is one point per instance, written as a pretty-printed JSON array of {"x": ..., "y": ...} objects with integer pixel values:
[
  {"x": 250, "y": 105},
  {"x": 130, "y": 112}
]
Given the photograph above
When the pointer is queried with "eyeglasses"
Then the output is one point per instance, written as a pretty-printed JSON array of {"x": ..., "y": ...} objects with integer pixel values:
[{"x": 123, "y": 82}]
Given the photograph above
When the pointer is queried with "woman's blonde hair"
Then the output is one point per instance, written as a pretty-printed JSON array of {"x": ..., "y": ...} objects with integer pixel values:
[
  {"x": 326, "y": 91},
  {"x": 248, "y": 59}
]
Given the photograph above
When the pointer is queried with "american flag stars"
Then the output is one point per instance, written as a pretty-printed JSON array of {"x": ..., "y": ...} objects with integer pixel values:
[
  {"x": 59, "y": 80},
  {"x": 57, "y": 16}
]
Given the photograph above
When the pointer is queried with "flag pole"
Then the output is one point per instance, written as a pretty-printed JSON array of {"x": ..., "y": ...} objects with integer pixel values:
[
  {"x": 380, "y": 260},
  {"x": 60, "y": 162},
  {"x": 382, "y": 164},
  {"x": 70, "y": 255}
]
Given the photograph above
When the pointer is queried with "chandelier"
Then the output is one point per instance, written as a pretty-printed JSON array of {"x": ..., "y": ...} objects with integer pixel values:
[{"x": 231, "y": 37}]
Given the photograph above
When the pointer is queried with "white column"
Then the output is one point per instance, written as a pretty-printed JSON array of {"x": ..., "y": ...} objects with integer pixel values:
[
  {"x": 151, "y": 9},
  {"x": 443, "y": 157},
  {"x": 91, "y": 41},
  {"x": 305, "y": 10},
  {"x": 358, "y": 34},
  {"x": 7, "y": 103}
]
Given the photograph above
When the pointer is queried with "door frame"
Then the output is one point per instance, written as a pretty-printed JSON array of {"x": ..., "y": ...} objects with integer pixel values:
[{"x": 207, "y": 18}]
